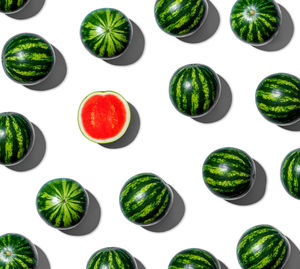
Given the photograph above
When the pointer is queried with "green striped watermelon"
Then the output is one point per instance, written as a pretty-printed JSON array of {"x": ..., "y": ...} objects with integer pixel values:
[
  {"x": 16, "y": 138},
  {"x": 62, "y": 203},
  {"x": 278, "y": 98},
  {"x": 255, "y": 22},
  {"x": 27, "y": 58},
  {"x": 194, "y": 90},
  {"x": 111, "y": 258},
  {"x": 263, "y": 247},
  {"x": 180, "y": 17},
  {"x": 12, "y": 6},
  {"x": 229, "y": 173},
  {"x": 194, "y": 258},
  {"x": 145, "y": 199},
  {"x": 106, "y": 33},
  {"x": 17, "y": 252}
]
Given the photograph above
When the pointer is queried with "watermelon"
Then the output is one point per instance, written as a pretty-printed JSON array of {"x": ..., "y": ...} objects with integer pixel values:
[
  {"x": 194, "y": 90},
  {"x": 263, "y": 247},
  {"x": 27, "y": 59},
  {"x": 103, "y": 117},
  {"x": 145, "y": 199},
  {"x": 17, "y": 252},
  {"x": 12, "y": 6},
  {"x": 180, "y": 18},
  {"x": 62, "y": 203},
  {"x": 256, "y": 22},
  {"x": 194, "y": 258},
  {"x": 229, "y": 173},
  {"x": 106, "y": 33},
  {"x": 112, "y": 258},
  {"x": 16, "y": 138},
  {"x": 278, "y": 98}
]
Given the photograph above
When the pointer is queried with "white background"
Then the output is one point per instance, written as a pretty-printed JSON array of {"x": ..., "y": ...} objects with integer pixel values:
[{"x": 168, "y": 144}]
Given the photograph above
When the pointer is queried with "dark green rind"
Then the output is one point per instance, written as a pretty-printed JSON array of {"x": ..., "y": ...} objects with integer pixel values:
[
  {"x": 180, "y": 18},
  {"x": 23, "y": 252},
  {"x": 27, "y": 58},
  {"x": 111, "y": 258},
  {"x": 194, "y": 259},
  {"x": 278, "y": 98},
  {"x": 53, "y": 209},
  {"x": 106, "y": 45},
  {"x": 194, "y": 90},
  {"x": 11, "y": 6},
  {"x": 145, "y": 199},
  {"x": 263, "y": 247},
  {"x": 16, "y": 138},
  {"x": 259, "y": 28},
  {"x": 229, "y": 173}
]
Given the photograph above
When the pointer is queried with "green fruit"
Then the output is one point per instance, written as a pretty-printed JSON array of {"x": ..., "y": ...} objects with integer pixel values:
[
  {"x": 194, "y": 90},
  {"x": 12, "y": 6},
  {"x": 16, "y": 138},
  {"x": 62, "y": 203},
  {"x": 263, "y": 247},
  {"x": 255, "y": 22},
  {"x": 106, "y": 33},
  {"x": 111, "y": 258},
  {"x": 180, "y": 18},
  {"x": 278, "y": 98},
  {"x": 194, "y": 258},
  {"x": 229, "y": 173},
  {"x": 145, "y": 199},
  {"x": 27, "y": 59},
  {"x": 17, "y": 252}
]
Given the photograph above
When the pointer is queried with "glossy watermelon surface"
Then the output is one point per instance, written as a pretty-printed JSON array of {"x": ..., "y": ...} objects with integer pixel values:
[
  {"x": 62, "y": 203},
  {"x": 145, "y": 199},
  {"x": 263, "y": 247},
  {"x": 12, "y": 6}
]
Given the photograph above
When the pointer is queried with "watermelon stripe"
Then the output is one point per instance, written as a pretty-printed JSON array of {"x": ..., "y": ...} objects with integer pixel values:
[{"x": 11, "y": 6}]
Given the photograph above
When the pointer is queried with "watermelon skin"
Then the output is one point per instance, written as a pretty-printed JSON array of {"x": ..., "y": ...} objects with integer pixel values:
[
  {"x": 111, "y": 258},
  {"x": 106, "y": 33},
  {"x": 194, "y": 258},
  {"x": 27, "y": 59},
  {"x": 17, "y": 252},
  {"x": 145, "y": 199},
  {"x": 278, "y": 99},
  {"x": 256, "y": 22},
  {"x": 229, "y": 173},
  {"x": 194, "y": 90},
  {"x": 12, "y": 6},
  {"x": 180, "y": 18},
  {"x": 263, "y": 247},
  {"x": 16, "y": 139},
  {"x": 62, "y": 203}
]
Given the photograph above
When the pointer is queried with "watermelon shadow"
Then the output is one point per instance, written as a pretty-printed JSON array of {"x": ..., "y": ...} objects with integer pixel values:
[
  {"x": 32, "y": 8},
  {"x": 285, "y": 33},
  {"x": 139, "y": 264},
  {"x": 295, "y": 127},
  {"x": 223, "y": 266},
  {"x": 294, "y": 259},
  {"x": 258, "y": 189},
  {"x": 131, "y": 133},
  {"x": 135, "y": 49},
  {"x": 208, "y": 29},
  {"x": 90, "y": 221},
  {"x": 222, "y": 107},
  {"x": 35, "y": 156},
  {"x": 173, "y": 218},
  {"x": 43, "y": 262}
]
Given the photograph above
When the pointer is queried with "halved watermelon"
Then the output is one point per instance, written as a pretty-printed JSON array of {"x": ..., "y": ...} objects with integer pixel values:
[{"x": 104, "y": 117}]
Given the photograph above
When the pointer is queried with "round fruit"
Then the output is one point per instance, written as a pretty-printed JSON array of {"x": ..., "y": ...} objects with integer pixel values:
[
  {"x": 16, "y": 138},
  {"x": 263, "y": 247},
  {"x": 12, "y": 6},
  {"x": 180, "y": 18},
  {"x": 28, "y": 59},
  {"x": 62, "y": 203},
  {"x": 111, "y": 258},
  {"x": 229, "y": 173},
  {"x": 194, "y": 258},
  {"x": 103, "y": 117},
  {"x": 278, "y": 98},
  {"x": 194, "y": 90},
  {"x": 17, "y": 252},
  {"x": 145, "y": 199},
  {"x": 256, "y": 22},
  {"x": 106, "y": 33}
]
